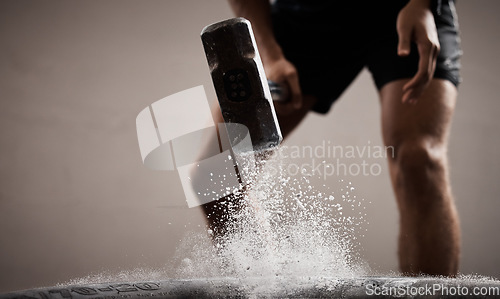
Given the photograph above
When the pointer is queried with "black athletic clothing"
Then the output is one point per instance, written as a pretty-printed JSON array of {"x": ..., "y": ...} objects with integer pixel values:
[{"x": 331, "y": 41}]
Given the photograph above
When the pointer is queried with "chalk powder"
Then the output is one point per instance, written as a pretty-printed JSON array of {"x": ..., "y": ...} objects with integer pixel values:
[
  {"x": 286, "y": 229},
  {"x": 287, "y": 234}
]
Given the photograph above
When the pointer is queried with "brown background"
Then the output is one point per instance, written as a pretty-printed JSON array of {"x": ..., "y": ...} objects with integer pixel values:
[{"x": 75, "y": 198}]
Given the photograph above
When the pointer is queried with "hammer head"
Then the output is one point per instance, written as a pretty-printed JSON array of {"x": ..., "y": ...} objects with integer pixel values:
[{"x": 240, "y": 82}]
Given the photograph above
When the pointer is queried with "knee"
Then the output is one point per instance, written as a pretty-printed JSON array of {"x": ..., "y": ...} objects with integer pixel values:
[
  {"x": 419, "y": 166},
  {"x": 417, "y": 156}
]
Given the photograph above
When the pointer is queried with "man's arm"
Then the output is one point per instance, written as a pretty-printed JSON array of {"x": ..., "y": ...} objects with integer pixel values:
[
  {"x": 416, "y": 23},
  {"x": 277, "y": 68}
]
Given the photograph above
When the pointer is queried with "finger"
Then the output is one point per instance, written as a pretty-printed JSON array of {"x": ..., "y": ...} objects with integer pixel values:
[
  {"x": 404, "y": 41},
  {"x": 427, "y": 65},
  {"x": 435, "y": 53},
  {"x": 423, "y": 75},
  {"x": 409, "y": 97}
]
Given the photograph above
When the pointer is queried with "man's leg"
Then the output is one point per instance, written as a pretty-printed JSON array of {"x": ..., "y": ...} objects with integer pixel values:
[
  {"x": 429, "y": 240},
  {"x": 288, "y": 122}
]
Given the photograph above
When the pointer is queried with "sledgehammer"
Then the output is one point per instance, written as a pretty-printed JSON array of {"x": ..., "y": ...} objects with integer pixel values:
[{"x": 240, "y": 82}]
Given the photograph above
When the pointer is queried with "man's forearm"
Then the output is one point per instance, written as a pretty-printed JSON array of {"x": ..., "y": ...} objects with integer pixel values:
[{"x": 258, "y": 12}]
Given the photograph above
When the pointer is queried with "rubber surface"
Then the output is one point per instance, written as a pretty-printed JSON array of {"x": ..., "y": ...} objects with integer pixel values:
[{"x": 298, "y": 287}]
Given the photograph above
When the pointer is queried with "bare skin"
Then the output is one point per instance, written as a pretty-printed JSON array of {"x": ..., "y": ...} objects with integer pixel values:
[
  {"x": 429, "y": 238},
  {"x": 416, "y": 116}
]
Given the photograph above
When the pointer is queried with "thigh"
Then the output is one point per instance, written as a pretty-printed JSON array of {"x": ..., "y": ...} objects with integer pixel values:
[
  {"x": 428, "y": 121},
  {"x": 288, "y": 122}
]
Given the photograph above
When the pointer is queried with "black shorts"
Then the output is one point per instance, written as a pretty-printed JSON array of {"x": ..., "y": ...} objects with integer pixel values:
[{"x": 330, "y": 42}]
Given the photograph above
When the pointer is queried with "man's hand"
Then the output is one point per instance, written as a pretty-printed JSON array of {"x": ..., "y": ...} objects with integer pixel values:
[
  {"x": 416, "y": 24},
  {"x": 282, "y": 71},
  {"x": 277, "y": 68}
]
